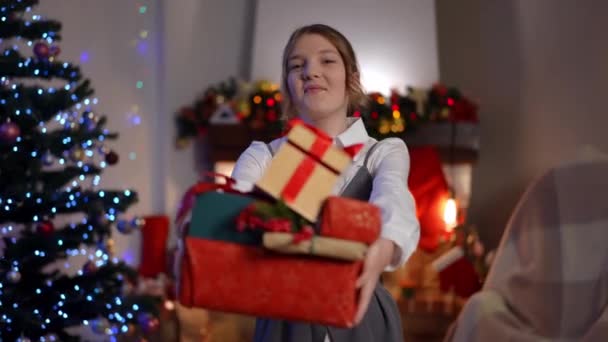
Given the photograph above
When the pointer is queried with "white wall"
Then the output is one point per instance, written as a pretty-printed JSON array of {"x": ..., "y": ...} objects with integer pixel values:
[
  {"x": 395, "y": 40},
  {"x": 109, "y": 33},
  {"x": 205, "y": 42},
  {"x": 539, "y": 71}
]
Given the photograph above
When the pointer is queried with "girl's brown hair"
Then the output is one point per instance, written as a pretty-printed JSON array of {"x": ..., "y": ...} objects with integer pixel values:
[{"x": 356, "y": 97}]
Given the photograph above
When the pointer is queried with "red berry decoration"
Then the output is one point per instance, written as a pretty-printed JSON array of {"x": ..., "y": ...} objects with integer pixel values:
[
  {"x": 46, "y": 228},
  {"x": 9, "y": 132},
  {"x": 41, "y": 50},
  {"x": 112, "y": 158},
  {"x": 305, "y": 234}
]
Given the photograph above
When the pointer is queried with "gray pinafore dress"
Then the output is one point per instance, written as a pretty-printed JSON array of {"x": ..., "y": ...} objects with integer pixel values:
[{"x": 381, "y": 323}]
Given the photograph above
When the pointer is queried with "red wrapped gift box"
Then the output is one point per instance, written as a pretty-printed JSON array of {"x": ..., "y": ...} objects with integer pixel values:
[
  {"x": 350, "y": 219},
  {"x": 249, "y": 280}
]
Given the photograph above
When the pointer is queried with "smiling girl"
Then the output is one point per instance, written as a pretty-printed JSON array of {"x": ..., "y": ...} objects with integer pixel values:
[{"x": 321, "y": 85}]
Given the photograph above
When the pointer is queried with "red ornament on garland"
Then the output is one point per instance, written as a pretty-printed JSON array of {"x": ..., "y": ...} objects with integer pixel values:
[
  {"x": 41, "y": 50},
  {"x": 188, "y": 113},
  {"x": 271, "y": 115},
  {"x": 9, "y": 132},
  {"x": 440, "y": 89},
  {"x": 45, "y": 228},
  {"x": 112, "y": 158}
]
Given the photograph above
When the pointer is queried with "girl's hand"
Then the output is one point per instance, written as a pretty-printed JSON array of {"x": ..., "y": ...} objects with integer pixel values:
[{"x": 378, "y": 256}]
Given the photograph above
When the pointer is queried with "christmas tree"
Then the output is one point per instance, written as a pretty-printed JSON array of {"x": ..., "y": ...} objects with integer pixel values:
[{"x": 57, "y": 264}]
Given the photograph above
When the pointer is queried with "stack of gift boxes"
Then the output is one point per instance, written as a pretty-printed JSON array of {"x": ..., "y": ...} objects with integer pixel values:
[{"x": 288, "y": 249}]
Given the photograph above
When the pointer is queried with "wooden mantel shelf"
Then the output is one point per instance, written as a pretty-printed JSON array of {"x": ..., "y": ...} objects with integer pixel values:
[
  {"x": 227, "y": 142},
  {"x": 465, "y": 139},
  {"x": 458, "y": 155}
]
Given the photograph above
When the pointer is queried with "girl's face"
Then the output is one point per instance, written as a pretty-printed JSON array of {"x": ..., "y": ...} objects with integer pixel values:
[{"x": 317, "y": 78}]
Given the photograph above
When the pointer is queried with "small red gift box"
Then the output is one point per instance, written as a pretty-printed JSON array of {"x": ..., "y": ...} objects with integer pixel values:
[{"x": 350, "y": 219}]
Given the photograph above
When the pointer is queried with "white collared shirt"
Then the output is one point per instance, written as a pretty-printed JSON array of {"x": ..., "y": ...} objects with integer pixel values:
[{"x": 389, "y": 164}]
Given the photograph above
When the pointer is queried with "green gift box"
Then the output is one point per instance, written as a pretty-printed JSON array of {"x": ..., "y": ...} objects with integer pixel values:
[{"x": 214, "y": 218}]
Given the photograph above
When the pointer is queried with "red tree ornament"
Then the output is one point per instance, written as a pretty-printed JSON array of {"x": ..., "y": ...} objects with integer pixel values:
[
  {"x": 41, "y": 50},
  {"x": 112, "y": 158},
  {"x": 89, "y": 267},
  {"x": 9, "y": 132},
  {"x": 148, "y": 322},
  {"x": 45, "y": 228}
]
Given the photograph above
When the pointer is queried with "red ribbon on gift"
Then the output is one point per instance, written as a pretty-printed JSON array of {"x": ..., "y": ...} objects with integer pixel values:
[
  {"x": 313, "y": 157},
  {"x": 351, "y": 150},
  {"x": 201, "y": 187}
]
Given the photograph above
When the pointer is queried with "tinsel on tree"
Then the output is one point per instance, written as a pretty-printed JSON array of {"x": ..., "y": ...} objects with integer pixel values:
[{"x": 53, "y": 149}]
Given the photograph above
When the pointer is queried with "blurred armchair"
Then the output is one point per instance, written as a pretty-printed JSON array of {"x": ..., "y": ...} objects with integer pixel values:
[{"x": 549, "y": 281}]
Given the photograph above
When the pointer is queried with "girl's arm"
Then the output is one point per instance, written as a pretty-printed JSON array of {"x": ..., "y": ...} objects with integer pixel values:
[
  {"x": 400, "y": 228},
  {"x": 390, "y": 164}
]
